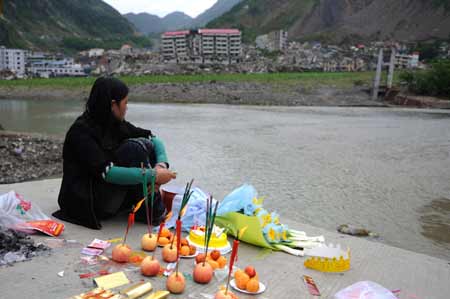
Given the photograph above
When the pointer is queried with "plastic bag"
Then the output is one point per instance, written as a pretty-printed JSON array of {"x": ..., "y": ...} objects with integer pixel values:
[
  {"x": 195, "y": 212},
  {"x": 364, "y": 290},
  {"x": 19, "y": 214},
  {"x": 238, "y": 200},
  {"x": 14, "y": 209}
]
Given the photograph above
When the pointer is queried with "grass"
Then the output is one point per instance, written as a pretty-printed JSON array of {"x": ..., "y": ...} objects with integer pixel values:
[{"x": 306, "y": 79}]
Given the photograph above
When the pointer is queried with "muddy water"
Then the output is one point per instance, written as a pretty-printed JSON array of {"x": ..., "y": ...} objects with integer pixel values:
[{"x": 384, "y": 169}]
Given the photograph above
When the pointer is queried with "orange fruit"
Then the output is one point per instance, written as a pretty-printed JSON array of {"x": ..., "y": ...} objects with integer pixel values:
[
  {"x": 165, "y": 232},
  {"x": 163, "y": 241},
  {"x": 192, "y": 249},
  {"x": 184, "y": 250},
  {"x": 242, "y": 281},
  {"x": 213, "y": 263},
  {"x": 238, "y": 274},
  {"x": 252, "y": 285},
  {"x": 222, "y": 261},
  {"x": 184, "y": 242}
]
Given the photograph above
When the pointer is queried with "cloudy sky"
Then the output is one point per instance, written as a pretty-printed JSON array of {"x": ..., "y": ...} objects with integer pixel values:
[{"x": 161, "y": 7}]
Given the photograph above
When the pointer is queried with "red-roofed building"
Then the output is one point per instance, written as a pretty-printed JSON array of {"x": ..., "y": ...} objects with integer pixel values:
[{"x": 202, "y": 46}]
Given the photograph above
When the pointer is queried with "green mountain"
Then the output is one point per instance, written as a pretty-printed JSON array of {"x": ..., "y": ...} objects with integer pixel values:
[
  {"x": 341, "y": 20},
  {"x": 64, "y": 25},
  {"x": 151, "y": 24}
]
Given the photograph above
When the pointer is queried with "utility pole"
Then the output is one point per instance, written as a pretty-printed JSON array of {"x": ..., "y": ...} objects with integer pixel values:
[
  {"x": 390, "y": 77},
  {"x": 376, "y": 83}
]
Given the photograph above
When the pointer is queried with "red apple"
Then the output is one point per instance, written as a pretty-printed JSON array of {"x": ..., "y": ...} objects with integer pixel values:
[
  {"x": 221, "y": 295},
  {"x": 121, "y": 253},
  {"x": 169, "y": 253},
  {"x": 250, "y": 271},
  {"x": 149, "y": 243},
  {"x": 150, "y": 266},
  {"x": 200, "y": 258},
  {"x": 203, "y": 273},
  {"x": 175, "y": 283},
  {"x": 215, "y": 254}
]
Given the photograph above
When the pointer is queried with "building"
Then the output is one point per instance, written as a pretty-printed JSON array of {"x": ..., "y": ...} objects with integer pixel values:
[
  {"x": 407, "y": 61},
  {"x": 56, "y": 68},
  {"x": 12, "y": 60},
  {"x": 202, "y": 46},
  {"x": 126, "y": 49},
  {"x": 273, "y": 41},
  {"x": 96, "y": 52}
]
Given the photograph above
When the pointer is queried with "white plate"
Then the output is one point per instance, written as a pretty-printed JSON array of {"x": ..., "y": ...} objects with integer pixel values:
[
  {"x": 189, "y": 256},
  {"x": 262, "y": 288}
]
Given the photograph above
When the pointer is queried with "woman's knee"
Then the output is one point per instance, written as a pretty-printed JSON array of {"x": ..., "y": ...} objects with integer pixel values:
[{"x": 133, "y": 152}]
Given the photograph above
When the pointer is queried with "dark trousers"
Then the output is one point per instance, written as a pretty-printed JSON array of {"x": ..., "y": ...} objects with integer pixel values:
[{"x": 132, "y": 153}]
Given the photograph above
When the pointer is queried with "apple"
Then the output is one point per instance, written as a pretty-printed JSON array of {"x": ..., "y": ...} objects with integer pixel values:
[
  {"x": 215, "y": 254},
  {"x": 251, "y": 272},
  {"x": 150, "y": 266},
  {"x": 200, "y": 258},
  {"x": 221, "y": 295},
  {"x": 121, "y": 253},
  {"x": 169, "y": 253},
  {"x": 175, "y": 283},
  {"x": 149, "y": 242},
  {"x": 203, "y": 273}
]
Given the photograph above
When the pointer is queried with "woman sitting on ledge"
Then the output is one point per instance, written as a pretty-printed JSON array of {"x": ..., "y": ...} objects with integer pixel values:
[{"x": 102, "y": 158}]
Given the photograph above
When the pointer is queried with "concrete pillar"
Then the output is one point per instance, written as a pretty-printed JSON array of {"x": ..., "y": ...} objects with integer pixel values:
[
  {"x": 390, "y": 77},
  {"x": 376, "y": 83}
]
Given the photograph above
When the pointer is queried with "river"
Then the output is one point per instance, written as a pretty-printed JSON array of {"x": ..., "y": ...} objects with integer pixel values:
[{"x": 384, "y": 169}]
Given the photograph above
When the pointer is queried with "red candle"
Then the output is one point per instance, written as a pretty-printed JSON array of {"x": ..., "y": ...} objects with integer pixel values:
[
  {"x": 233, "y": 255},
  {"x": 178, "y": 238}
]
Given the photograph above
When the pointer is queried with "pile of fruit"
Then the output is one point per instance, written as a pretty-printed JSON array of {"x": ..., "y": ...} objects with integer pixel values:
[
  {"x": 247, "y": 280},
  {"x": 165, "y": 237},
  {"x": 214, "y": 258},
  {"x": 187, "y": 249}
]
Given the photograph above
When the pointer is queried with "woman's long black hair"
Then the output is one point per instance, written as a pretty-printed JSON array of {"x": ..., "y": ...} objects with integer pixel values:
[{"x": 104, "y": 90}]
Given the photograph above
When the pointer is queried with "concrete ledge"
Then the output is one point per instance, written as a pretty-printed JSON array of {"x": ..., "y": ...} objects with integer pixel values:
[{"x": 416, "y": 275}]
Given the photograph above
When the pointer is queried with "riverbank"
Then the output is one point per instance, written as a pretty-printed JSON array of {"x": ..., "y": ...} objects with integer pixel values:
[
  {"x": 284, "y": 89},
  {"x": 28, "y": 157},
  {"x": 415, "y": 275}
]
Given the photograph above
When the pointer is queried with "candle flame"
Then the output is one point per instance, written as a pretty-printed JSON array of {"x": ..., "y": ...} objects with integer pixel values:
[
  {"x": 183, "y": 211},
  {"x": 138, "y": 205},
  {"x": 168, "y": 216}
]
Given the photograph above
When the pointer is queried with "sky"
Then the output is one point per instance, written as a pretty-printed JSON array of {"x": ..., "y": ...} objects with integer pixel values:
[{"x": 161, "y": 7}]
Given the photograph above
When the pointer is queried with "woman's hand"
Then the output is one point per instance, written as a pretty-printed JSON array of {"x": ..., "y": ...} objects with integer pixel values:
[{"x": 163, "y": 176}]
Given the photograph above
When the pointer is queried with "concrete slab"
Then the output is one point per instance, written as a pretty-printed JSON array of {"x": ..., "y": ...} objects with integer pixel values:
[{"x": 416, "y": 275}]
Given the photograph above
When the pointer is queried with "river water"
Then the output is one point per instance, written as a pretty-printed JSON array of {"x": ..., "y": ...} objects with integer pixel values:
[{"x": 384, "y": 169}]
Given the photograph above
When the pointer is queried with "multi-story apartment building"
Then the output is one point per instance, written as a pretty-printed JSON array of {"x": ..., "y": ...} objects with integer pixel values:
[
  {"x": 12, "y": 60},
  {"x": 202, "y": 46}
]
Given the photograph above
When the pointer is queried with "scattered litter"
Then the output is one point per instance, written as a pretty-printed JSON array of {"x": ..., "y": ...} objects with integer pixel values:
[
  {"x": 91, "y": 251},
  {"x": 311, "y": 285},
  {"x": 99, "y": 244},
  {"x": 94, "y": 274},
  {"x": 137, "y": 290},
  {"x": 61, "y": 274},
  {"x": 169, "y": 269},
  {"x": 355, "y": 231},
  {"x": 97, "y": 293},
  {"x": 115, "y": 240},
  {"x": 111, "y": 281}
]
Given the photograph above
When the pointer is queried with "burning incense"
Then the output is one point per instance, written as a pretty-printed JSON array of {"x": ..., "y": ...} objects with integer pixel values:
[{"x": 209, "y": 223}]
